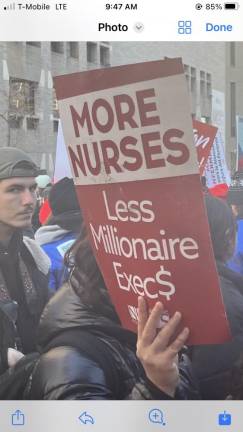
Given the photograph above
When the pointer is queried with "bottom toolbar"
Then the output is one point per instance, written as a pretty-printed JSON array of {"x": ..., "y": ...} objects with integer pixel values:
[{"x": 149, "y": 416}]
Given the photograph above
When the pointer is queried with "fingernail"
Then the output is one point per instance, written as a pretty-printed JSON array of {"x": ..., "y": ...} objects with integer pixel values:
[{"x": 177, "y": 314}]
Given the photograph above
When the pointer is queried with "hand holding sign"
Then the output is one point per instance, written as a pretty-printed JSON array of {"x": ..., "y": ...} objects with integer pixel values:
[
  {"x": 159, "y": 356},
  {"x": 135, "y": 168}
]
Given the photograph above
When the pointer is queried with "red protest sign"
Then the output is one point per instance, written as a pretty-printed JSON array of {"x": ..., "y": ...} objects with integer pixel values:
[
  {"x": 204, "y": 135},
  {"x": 130, "y": 141}
]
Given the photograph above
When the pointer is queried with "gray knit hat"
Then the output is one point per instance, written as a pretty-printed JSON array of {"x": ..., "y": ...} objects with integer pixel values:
[{"x": 15, "y": 163}]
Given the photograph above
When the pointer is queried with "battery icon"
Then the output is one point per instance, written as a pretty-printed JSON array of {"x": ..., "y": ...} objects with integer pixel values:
[{"x": 231, "y": 6}]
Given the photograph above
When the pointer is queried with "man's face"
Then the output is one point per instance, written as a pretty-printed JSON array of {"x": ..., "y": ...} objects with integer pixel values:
[{"x": 17, "y": 201}]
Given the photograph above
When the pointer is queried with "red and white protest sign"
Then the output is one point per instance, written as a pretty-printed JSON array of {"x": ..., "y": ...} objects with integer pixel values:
[
  {"x": 216, "y": 171},
  {"x": 130, "y": 141},
  {"x": 204, "y": 135}
]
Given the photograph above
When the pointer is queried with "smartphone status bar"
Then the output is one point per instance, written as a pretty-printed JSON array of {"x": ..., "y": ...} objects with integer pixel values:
[{"x": 123, "y": 21}]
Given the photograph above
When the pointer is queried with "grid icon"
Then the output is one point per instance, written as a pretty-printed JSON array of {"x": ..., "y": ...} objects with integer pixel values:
[{"x": 184, "y": 27}]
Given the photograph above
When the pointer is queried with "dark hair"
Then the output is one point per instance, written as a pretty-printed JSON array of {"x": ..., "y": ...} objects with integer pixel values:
[
  {"x": 86, "y": 278},
  {"x": 63, "y": 197},
  {"x": 222, "y": 227}
]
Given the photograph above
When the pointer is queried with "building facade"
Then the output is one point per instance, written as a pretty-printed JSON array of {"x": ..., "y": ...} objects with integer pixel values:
[
  {"x": 233, "y": 96},
  {"x": 28, "y": 106}
]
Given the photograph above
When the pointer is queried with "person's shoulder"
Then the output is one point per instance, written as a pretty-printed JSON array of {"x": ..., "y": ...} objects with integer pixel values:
[
  {"x": 233, "y": 302},
  {"x": 231, "y": 281},
  {"x": 41, "y": 259},
  {"x": 66, "y": 373},
  {"x": 230, "y": 292},
  {"x": 60, "y": 358},
  {"x": 59, "y": 247}
]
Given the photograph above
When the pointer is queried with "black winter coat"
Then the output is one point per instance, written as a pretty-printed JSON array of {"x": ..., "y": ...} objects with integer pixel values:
[
  {"x": 23, "y": 294},
  {"x": 66, "y": 372},
  {"x": 213, "y": 363}
]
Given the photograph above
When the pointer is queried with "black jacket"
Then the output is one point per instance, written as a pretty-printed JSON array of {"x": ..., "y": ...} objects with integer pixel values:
[
  {"x": 213, "y": 363},
  {"x": 66, "y": 372},
  {"x": 27, "y": 288}
]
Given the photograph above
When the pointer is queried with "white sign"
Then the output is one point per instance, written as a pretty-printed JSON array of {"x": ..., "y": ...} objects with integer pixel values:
[
  {"x": 216, "y": 171},
  {"x": 102, "y": 150},
  {"x": 62, "y": 165},
  {"x": 218, "y": 112}
]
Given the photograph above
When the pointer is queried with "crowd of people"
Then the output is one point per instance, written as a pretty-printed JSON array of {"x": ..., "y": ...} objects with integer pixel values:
[{"x": 61, "y": 337}]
